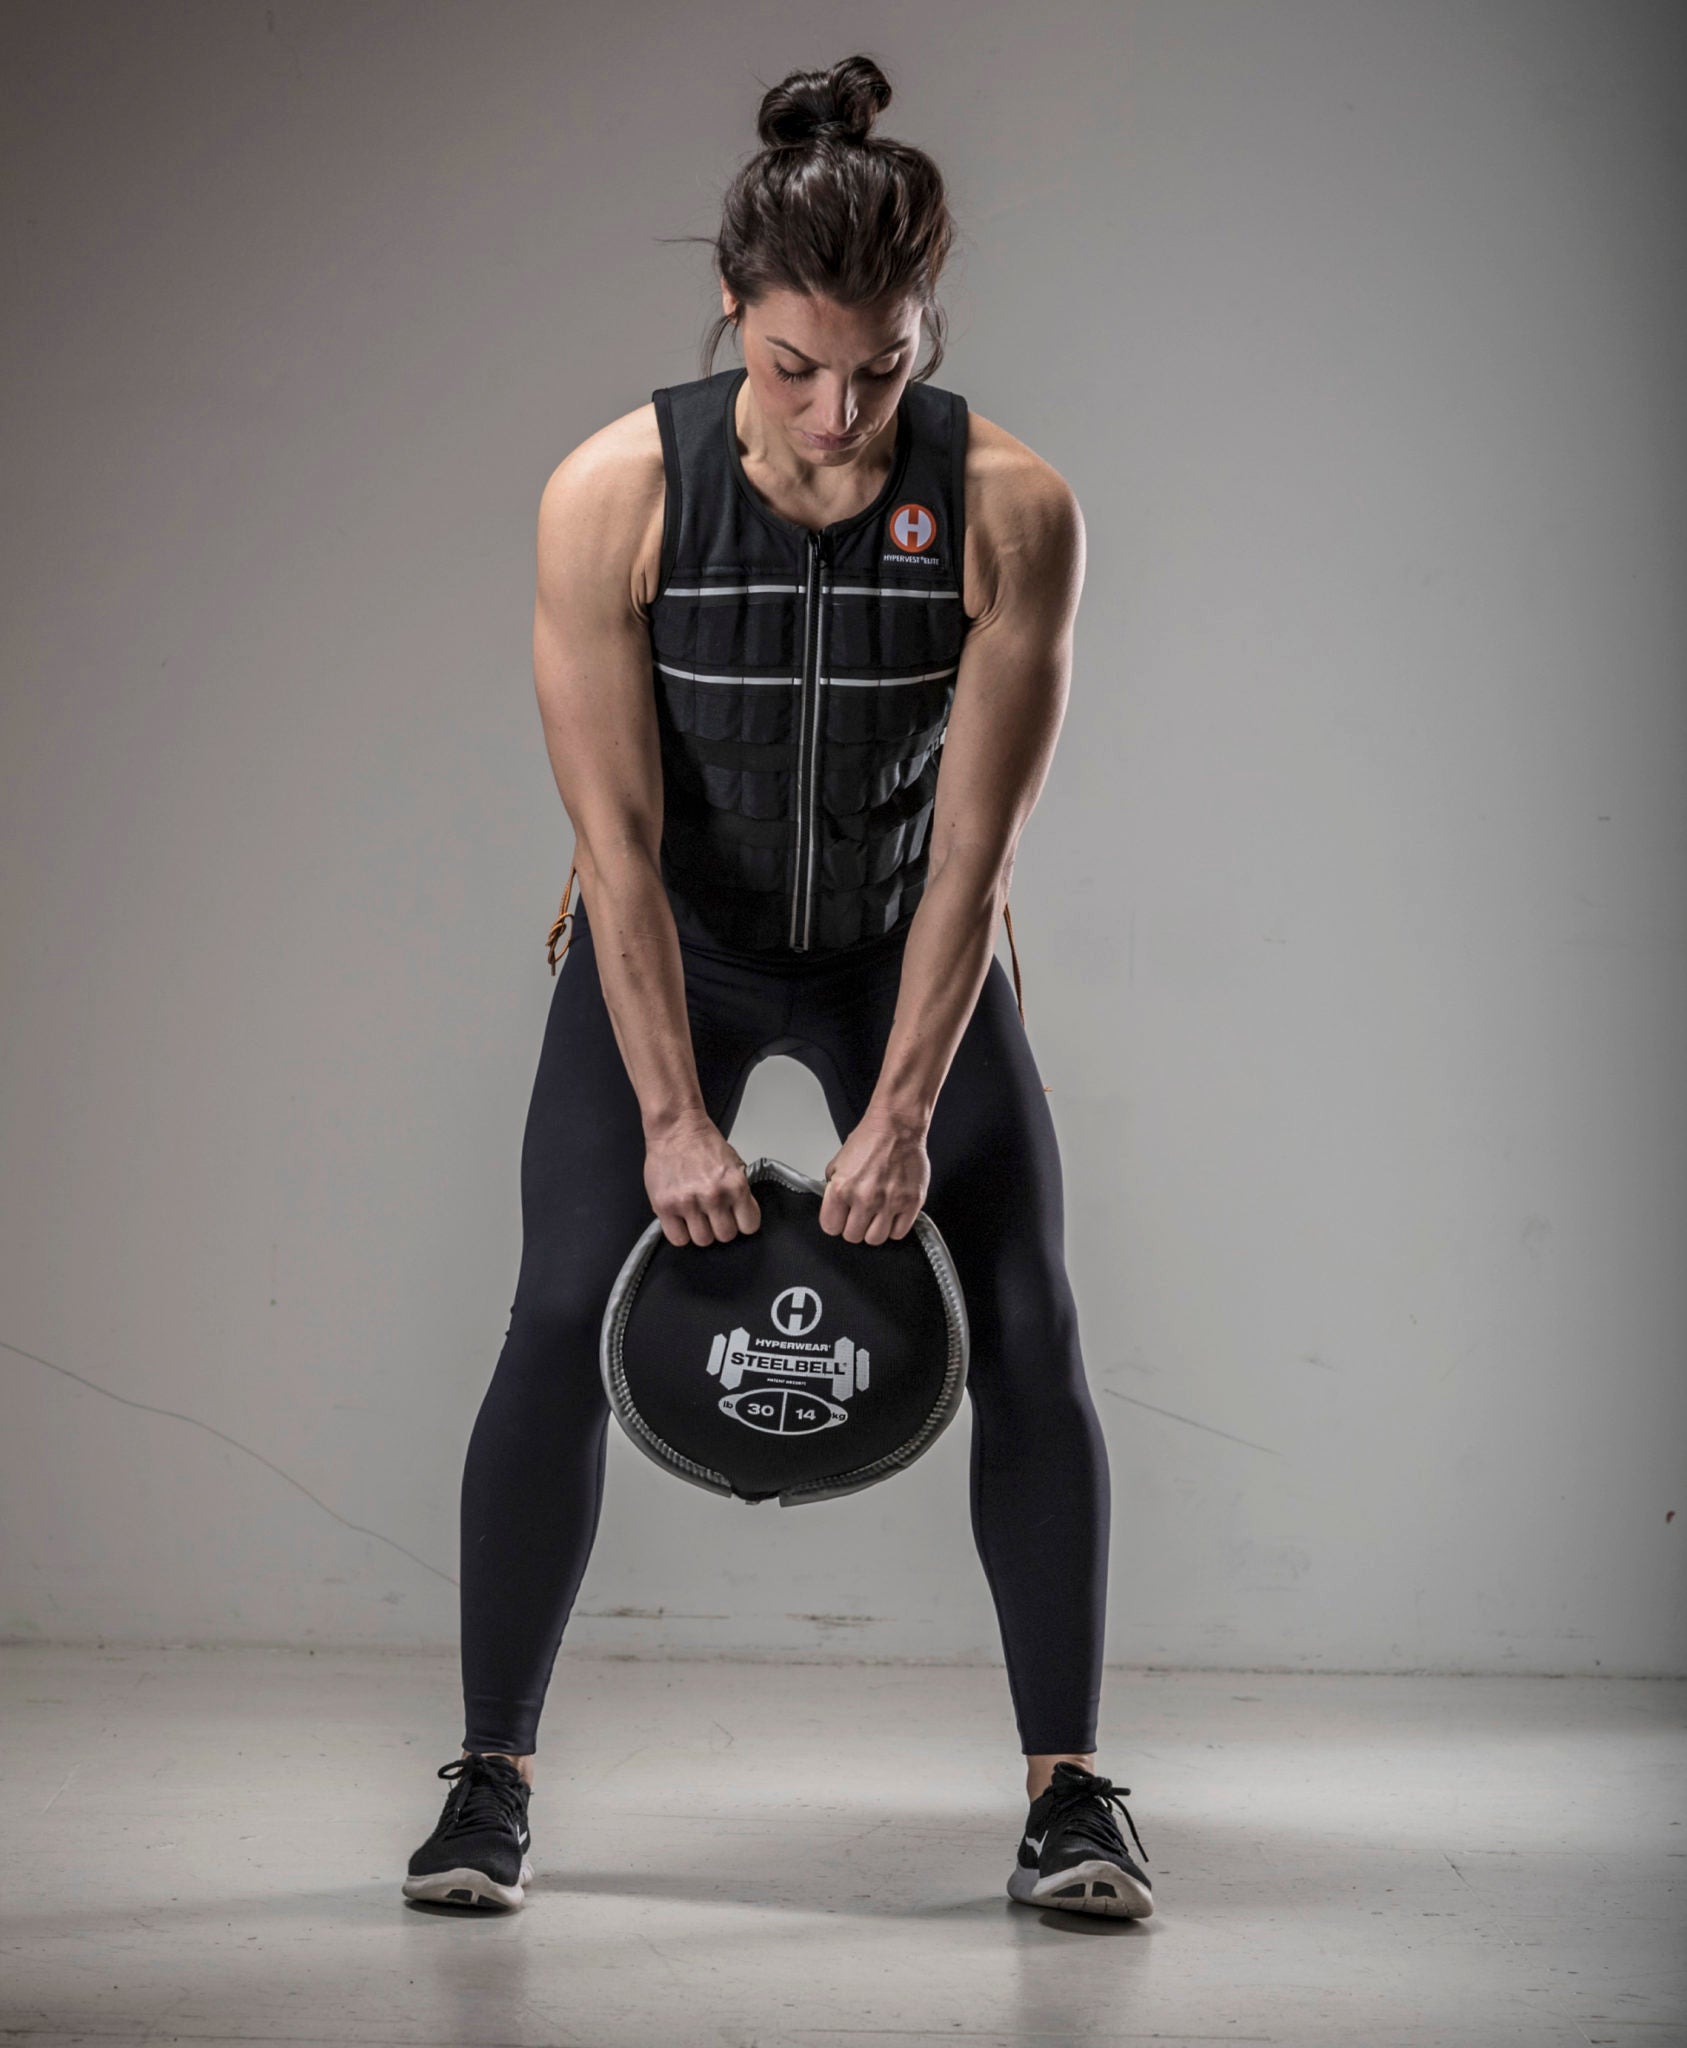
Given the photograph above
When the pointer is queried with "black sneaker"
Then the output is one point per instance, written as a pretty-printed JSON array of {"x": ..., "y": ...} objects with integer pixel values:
[
  {"x": 477, "y": 1856},
  {"x": 1072, "y": 1854}
]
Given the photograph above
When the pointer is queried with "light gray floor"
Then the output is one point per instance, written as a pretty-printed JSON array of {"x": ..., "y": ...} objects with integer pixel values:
[{"x": 206, "y": 1846}]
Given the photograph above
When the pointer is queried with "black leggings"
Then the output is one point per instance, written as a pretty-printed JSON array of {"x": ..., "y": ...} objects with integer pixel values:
[{"x": 533, "y": 1480}]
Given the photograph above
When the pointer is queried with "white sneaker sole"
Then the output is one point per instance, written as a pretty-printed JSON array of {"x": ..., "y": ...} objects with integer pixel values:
[
  {"x": 1094, "y": 1887},
  {"x": 467, "y": 1887}
]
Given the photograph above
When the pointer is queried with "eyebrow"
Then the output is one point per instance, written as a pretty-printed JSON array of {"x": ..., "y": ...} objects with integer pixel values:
[{"x": 889, "y": 348}]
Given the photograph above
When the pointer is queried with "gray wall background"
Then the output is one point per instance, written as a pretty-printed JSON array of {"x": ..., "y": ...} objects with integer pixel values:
[{"x": 1351, "y": 920}]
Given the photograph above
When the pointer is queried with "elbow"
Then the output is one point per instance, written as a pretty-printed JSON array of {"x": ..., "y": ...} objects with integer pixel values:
[
  {"x": 980, "y": 872},
  {"x": 612, "y": 864}
]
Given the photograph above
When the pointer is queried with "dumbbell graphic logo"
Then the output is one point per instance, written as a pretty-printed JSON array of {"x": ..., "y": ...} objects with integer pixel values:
[{"x": 790, "y": 1406}]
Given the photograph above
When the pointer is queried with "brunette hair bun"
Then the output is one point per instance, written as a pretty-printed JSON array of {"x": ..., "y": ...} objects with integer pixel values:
[
  {"x": 828, "y": 209},
  {"x": 836, "y": 105}
]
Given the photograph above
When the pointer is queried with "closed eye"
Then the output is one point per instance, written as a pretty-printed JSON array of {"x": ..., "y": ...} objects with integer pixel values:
[{"x": 872, "y": 376}]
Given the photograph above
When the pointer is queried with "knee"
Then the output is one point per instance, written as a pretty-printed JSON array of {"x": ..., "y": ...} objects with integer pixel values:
[
  {"x": 560, "y": 1314},
  {"x": 1025, "y": 1311},
  {"x": 1026, "y": 1353},
  {"x": 551, "y": 1348}
]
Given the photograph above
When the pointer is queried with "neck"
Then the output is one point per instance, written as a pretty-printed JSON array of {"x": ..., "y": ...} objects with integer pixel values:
[{"x": 784, "y": 466}]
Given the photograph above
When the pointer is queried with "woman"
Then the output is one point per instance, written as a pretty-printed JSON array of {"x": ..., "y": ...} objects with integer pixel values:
[{"x": 838, "y": 583}]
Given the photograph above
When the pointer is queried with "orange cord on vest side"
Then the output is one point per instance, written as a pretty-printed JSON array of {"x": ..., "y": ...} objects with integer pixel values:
[
  {"x": 1014, "y": 950},
  {"x": 563, "y": 916}
]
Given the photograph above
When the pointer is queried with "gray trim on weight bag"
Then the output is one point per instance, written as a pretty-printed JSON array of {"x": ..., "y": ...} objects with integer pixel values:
[{"x": 612, "y": 1366}]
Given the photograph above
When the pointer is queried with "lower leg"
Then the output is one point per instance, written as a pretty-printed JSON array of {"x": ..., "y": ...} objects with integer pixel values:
[
  {"x": 1039, "y": 1770},
  {"x": 1040, "y": 1500},
  {"x": 532, "y": 1493},
  {"x": 523, "y": 1764}
]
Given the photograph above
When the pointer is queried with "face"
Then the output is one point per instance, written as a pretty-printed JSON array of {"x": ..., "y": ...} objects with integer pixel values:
[{"x": 827, "y": 377}]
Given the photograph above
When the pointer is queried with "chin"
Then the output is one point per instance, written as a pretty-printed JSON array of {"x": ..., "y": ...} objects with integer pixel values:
[{"x": 851, "y": 448}]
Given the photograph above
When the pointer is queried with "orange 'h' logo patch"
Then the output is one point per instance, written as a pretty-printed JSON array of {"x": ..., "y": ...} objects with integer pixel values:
[{"x": 913, "y": 528}]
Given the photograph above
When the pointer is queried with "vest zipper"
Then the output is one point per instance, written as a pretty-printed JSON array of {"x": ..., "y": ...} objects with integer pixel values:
[{"x": 808, "y": 754}]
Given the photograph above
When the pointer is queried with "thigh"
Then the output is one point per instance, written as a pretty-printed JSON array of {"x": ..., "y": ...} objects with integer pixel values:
[
  {"x": 997, "y": 1196},
  {"x": 583, "y": 1198},
  {"x": 995, "y": 1161},
  {"x": 996, "y": 1186},
  {"x": 996, "y": 1189}
]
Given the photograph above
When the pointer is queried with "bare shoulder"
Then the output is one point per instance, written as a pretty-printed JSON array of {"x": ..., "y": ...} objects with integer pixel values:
[
  {"x": 600, "y": 513},
  {"x": 1023, "y": 522}
]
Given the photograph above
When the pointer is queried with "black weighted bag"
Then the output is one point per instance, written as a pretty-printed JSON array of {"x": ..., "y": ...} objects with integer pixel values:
[{"x": 785, "y": 1363}]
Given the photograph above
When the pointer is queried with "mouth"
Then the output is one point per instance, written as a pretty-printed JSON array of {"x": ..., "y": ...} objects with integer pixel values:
[{"x": 831, "y": 447}]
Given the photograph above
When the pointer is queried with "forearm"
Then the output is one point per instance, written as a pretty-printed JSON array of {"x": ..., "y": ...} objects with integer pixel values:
[
  {"x": 643, "y": 978},
  {"x": 950, "y": 944}
]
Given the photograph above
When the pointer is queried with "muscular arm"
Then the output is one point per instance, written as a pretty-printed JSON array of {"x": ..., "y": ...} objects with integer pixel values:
[
  {"x": 591, "y": 668},
  {"x": 1010, "y": 699}
]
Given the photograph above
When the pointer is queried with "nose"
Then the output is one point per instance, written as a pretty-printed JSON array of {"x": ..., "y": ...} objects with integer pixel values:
[{"x": 836, "y": 416}]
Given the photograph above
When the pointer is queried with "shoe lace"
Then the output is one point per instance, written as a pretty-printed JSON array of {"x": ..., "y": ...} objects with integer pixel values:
[
  {"x": 480, "y": 1797},
  {"x": 1081, "y": 1809}
]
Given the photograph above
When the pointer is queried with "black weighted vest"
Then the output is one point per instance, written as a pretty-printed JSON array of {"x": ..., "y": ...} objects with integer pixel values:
[{"x": 803, "y": 682}]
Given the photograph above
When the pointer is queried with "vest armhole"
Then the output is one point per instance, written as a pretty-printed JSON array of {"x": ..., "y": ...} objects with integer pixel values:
[
  {"x": 672, "y": 493},
  {"x": 958, "y": 428}
]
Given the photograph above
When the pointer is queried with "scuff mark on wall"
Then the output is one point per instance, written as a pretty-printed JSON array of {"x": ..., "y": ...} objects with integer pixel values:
[
  {"x": 1211, "y": 1428},
  {"x": 222, "y": 1436}
]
